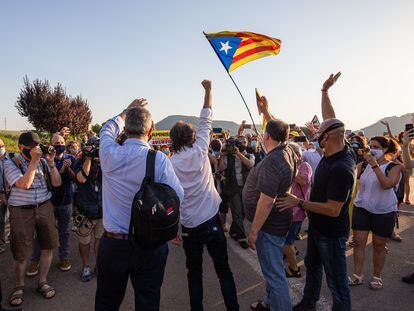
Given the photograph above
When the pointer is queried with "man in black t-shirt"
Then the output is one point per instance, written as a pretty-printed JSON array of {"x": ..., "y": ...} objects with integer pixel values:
[{"x": 328, "y": 212}]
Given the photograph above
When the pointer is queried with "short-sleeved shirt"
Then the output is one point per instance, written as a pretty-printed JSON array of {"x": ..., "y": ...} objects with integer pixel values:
[
  {"x": 38, "y": 191},
  {"x": 63, "y": 195},
  {"x": 273, "y": 176},
  {"x": 88, "y": 195},
  {"x": 334, "y": 180}
]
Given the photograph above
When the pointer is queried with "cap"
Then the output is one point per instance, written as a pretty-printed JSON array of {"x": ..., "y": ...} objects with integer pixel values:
[
  {"x": 29, "y": 139},
  {"x": 294, "y": 133},
  {"x": 92, "y": 140}
]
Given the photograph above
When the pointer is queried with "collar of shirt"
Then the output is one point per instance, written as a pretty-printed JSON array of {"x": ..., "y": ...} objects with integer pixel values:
[{"x": 136, "y": 141}]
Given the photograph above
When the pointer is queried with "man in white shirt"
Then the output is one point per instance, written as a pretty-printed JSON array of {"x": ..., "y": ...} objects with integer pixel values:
[{"x": 199, "y": 210}]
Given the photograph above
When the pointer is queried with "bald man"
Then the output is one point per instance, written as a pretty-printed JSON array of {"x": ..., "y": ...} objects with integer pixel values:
[{"x": 327, "y": 210}]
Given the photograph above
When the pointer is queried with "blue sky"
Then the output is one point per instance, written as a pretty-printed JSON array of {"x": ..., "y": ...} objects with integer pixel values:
[{"x": 114, "y": 51}]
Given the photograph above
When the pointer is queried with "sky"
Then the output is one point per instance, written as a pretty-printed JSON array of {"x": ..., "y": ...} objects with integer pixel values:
[{"x": 111, "y": 52}]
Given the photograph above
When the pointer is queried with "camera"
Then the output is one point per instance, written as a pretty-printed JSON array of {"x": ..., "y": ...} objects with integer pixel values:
[
  {"x": 46, "y": 149},
  {"x": 91, "y": 148},
  {"x": 230, "y": 144}
]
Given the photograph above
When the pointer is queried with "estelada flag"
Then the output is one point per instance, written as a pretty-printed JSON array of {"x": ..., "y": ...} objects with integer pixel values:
[
  {"x": 235, "y": 49},
  {"x": 315, "y": 122}
]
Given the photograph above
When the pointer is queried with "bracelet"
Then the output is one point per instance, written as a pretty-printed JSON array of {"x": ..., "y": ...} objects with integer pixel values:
[
  {"x": 375, "y": 166},
  {"x": 324, "y": 91},
  {"x": 301, "y": 205},
  {"x": 52, "y": 166}
]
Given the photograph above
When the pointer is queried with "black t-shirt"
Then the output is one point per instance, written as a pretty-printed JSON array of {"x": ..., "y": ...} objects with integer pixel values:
[
  {"x": 63, "y": 195},
  {"x": 88, "y": 196},
  {"x": 334, "y": 180},
  {"x": 272, "y": 176}
]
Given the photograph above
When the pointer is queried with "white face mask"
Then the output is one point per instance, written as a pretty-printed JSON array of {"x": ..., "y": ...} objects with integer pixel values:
[
  {"x": 2, "y": 151},
  {"x": 377, "y": 153}
]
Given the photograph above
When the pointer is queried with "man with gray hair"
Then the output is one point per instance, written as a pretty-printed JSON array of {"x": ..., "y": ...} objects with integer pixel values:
[{"x": 123, "y": 169}]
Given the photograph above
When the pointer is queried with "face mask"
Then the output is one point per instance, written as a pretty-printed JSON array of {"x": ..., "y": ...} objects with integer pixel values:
[
  {"x": 166, "y": 152},
  {"x": 2, "y": 151},
  {"x": 316, "y": 144},
  {"x": 27, "y": 154},
  {"x": 73, "y": 151},
  {"x": 59, "y": 149},
  {"x": 253, "y": 144},
  {"x": 216, "y": 154},
  {"x": 377, "y": 153}
]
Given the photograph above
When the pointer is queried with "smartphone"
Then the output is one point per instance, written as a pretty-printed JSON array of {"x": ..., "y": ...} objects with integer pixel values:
[
  {"x": 247, "y": 126},
  {"x": 409, "y": 127},
  {"x": 217, "y": 130},
  {"x": 299, "y": 139}
]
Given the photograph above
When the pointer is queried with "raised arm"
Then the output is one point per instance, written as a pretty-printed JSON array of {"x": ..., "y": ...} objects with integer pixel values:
[
  {"x": 264, "y": 108},
  {"x": 407, "y": 138},
  {"x": 327, "y": 110},
  {"x": 206, "y": 121},
  {"x": 387, "y": 125}
]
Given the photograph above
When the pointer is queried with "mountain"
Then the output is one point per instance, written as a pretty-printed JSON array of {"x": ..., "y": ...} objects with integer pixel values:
[
  {"x": 397, "y": 125},
  {"x": 169, "y": 122}
]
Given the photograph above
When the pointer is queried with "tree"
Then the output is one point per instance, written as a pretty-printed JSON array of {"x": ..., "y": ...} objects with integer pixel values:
[{"x": 49, "y": 110}]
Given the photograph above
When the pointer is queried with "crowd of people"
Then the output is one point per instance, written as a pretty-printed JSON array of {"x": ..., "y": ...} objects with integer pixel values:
[{"x": 345, "y": 184}]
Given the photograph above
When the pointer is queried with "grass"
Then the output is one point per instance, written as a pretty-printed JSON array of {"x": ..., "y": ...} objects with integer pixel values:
[{"x": 10, "y": 139}]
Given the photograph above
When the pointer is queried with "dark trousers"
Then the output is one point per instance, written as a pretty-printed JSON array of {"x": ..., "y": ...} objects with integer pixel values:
[
  {"x": 237, "y": 214},
  {"x": 117, "y": 262},
  {"x": 210, "y": 234},
  {"x": 328, "y": 253}
]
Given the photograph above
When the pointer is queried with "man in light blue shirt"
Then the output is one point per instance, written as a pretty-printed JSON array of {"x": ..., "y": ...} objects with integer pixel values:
[{"x": 123, "y": 169}]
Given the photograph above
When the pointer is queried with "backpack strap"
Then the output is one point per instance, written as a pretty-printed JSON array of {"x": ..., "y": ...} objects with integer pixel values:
[
  {"x": 150, "y": 168},
  {"x": 46, "y": 175},
  {"x": 389, "y": 168},
  {"x": 16, "y": 161}
]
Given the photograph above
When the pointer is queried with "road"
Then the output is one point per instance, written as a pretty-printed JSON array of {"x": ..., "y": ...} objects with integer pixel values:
[{"x": 73, "y": 295}]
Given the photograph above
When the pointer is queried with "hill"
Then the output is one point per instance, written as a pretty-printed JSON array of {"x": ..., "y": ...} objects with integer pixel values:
[
  {"x": 169, "y": 122},
  {"x": 397, "y": 125}
]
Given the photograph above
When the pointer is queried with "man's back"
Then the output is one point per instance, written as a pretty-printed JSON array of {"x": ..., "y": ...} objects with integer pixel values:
[
  {"x": 192, "y": 166},
  {"x": 123, "y": 169}
]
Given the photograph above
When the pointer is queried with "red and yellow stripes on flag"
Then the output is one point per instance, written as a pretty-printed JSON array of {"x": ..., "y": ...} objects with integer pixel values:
[{"x": 252, "y": 47}]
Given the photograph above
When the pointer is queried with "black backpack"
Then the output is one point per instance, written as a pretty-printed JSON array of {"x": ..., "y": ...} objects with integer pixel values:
[{"x": 155, "y": 211}]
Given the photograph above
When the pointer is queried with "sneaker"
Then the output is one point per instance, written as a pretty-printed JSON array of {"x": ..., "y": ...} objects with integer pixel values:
[
  {"x": 86, "y": 274},
  {"x": 259, "y": 306},
  {"x": 33, "y": 269},
  {"x": 290, "y": 273},
  {"x": 409, "y": 279},
  {"x": 301, "y": 306},
  {"x": 65, "y": 265}
]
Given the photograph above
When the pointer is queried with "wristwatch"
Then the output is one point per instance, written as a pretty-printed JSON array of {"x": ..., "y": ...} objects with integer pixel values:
[{"x": 301, "y": 205}]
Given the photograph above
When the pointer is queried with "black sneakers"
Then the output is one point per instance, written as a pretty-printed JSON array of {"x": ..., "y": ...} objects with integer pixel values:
[
  {"x": 409, "y": 279},
  {"x": 301, "y": 306}
]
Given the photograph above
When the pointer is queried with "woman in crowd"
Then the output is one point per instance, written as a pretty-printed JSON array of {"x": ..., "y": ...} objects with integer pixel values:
[
  {"x": 301, "y": 187},
  {"x": 375, "y": 207},
  {"x": 408, "y": 172}
]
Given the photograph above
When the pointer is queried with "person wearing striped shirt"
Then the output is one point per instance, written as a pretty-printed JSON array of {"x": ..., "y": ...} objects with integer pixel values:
[{"x": 30, "y": 177}]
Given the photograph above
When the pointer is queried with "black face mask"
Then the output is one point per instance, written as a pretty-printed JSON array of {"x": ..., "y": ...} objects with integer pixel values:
[
  {"x": 27, "y": 154},
  {"x": 59, "y": 149},
  {"x": 242, "y": 148}
]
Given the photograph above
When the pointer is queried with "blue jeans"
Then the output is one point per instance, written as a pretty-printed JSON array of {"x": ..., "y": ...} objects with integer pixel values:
[
  {"x": 117, "y": 262},
  {"x": 210, "y": 234},
  {"x": 63, "y": 215},
  {"x": 270, "y": 253},
  {"x": 328, "y": 253}
]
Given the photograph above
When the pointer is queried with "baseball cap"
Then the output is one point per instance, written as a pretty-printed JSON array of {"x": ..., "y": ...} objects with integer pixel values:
[
  {"x": 29, "y": 139},
  {"x": 294, "y": 133}
]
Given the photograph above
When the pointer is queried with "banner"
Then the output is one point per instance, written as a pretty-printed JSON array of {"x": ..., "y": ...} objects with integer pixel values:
[{"x": 160, "y": 137}]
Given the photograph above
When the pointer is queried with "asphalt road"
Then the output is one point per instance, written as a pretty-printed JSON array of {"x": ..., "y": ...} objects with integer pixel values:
[{"x": 73, "y": 295}]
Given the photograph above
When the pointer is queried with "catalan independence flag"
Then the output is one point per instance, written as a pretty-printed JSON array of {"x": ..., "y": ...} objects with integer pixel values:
[{"x": 238, "y": 48}]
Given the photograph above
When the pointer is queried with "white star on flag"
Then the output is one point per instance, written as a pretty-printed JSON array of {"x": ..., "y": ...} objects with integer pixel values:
[{"x": 225, "y": 47}]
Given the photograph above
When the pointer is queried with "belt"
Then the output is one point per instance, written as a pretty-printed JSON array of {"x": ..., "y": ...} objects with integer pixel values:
[
  {"x": 118, "y": 236},
  {"x": 30, "y": 206}
]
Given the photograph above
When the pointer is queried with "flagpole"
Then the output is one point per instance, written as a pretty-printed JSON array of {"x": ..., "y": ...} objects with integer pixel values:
[
  {"x": 241, "y": 95},
  {"x": 245, "y": 104}
]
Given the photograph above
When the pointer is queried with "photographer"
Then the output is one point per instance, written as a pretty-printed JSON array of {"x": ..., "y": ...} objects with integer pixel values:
[
  {"x": 237, "y": 163},
  {"x": 88, "y": 199},
  {"x": 3, "y": 198},
  {"x": 30, "y": 177},
  {"x": 62, "y": 198}
]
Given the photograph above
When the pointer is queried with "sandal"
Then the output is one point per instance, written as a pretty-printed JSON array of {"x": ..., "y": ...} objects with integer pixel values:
[
  {"x": 44, "y": 289},
  {"x": 396, "y": 237},
  {"x": 259, "y": 306},
  {"x": 376, "y": 283},
  {"x": 18, "y": 293},
  {"x": 356, "y": 280}
]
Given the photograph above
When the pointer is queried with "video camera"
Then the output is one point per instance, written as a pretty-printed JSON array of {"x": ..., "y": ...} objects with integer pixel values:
[
  {"x": 230, "y": 144},
  {"x": 91, "y": 148}
]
